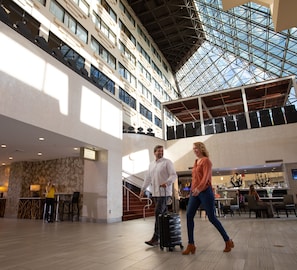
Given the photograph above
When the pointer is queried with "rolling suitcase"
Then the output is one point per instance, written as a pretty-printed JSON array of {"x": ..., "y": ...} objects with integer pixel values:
[{"x": 170, "y": 230}]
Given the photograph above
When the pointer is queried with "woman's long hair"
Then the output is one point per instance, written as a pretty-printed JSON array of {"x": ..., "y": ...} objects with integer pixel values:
[{"x": 202, "y": 148}]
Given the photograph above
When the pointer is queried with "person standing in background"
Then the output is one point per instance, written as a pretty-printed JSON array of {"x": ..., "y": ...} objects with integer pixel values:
[
  {"x": 161, "y": 173},
  {"x": 50, "y": 201},
  {"x": 202, "y": 193}
]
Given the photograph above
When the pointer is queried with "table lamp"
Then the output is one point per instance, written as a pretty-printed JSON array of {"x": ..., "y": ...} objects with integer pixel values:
[
  {"x": 35, "y": 190},
  {"x": 2, "y": 190}
]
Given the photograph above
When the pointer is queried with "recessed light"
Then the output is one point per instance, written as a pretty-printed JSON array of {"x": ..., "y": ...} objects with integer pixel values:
[
  {"x": 39, "y": 154},
  {"x": 3, "y": 145},
  {"x": 10, "y": 158},
  {"x": 75, "y": 148},
  {"x": 41, "y": 139}
]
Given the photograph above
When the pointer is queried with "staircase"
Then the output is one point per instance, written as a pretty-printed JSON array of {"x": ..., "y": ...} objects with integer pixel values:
[{"x": 135, "y": 205}]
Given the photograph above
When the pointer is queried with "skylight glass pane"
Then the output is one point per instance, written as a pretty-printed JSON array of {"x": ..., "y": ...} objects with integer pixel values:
[
  {"x": 241, "y": 48},
  {"x": 291, "y": 57},
  {"x": 292, "y": 68},
  {"x": 293, "y": 32}
]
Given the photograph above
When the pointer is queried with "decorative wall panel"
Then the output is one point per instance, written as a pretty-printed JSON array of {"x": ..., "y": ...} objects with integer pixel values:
[{"x": 66, "y": 173}]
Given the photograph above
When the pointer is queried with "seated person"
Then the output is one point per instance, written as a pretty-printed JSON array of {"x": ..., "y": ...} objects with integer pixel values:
[{"x": 254, "y": 193}]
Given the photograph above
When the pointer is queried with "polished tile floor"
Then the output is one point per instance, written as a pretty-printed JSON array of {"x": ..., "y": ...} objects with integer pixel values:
[{"x": 259, "y": 244}]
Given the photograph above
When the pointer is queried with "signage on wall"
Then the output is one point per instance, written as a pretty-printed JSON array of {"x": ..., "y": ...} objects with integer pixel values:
[{"x": 88, "y": 153}]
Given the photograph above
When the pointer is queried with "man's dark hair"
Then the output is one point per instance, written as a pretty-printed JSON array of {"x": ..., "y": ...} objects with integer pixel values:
[{"x": 157, "y": 147}]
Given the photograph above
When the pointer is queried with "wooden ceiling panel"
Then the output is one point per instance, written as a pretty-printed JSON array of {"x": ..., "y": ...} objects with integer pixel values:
[{"x": 260, "y": 96}]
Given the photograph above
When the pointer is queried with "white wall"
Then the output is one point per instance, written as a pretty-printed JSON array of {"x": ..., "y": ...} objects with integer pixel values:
[
  {"x": 37, "y": 89},
  {"x": 227, "y": 150},
  {"x": 239, "y": 148},
  {"x": 138, "y": 152}
]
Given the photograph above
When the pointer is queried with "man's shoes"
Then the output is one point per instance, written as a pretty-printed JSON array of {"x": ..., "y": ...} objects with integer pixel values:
[{"x": 153, "y": 242}]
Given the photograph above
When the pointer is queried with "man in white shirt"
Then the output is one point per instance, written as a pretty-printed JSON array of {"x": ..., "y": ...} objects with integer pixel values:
[{"x": 161, "y": 175}]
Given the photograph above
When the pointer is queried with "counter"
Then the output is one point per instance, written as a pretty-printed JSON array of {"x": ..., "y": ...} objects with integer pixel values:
[{"x": 31, "y": 207}]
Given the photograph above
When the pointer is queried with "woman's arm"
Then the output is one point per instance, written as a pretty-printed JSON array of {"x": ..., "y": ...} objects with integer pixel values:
[{"x": 203, "y": 176}]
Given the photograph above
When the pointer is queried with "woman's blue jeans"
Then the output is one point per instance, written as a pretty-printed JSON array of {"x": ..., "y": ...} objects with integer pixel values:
[{"x": 206, "y": 199}]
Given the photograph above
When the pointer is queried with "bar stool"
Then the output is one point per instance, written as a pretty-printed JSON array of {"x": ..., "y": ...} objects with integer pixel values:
[{"x": 72, "y": 206}]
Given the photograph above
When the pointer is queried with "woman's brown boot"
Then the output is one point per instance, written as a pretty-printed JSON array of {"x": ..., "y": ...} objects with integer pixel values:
[
  {"x": 190, "y": 249},
  {"x": 229, "y": 245}
]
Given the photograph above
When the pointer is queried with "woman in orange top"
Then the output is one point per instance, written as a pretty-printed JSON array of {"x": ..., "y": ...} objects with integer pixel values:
[{"x": 201, "y": 193}]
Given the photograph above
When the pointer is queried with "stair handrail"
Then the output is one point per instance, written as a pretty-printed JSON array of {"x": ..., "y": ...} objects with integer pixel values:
[
  {"x": 131, "y": 181},
  {"x": 146, "y": 206}
]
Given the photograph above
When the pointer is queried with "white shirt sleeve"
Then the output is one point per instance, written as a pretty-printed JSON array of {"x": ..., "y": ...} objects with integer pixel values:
[{"x": 160, "y": 172}]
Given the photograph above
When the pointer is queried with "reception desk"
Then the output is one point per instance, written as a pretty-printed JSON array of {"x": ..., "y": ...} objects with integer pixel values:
[
  {"x": 277, "y": 192},
  {"x": 31, "y": 207}
]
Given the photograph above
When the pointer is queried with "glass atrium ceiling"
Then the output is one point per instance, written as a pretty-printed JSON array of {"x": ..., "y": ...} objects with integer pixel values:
[{"x": 241, "y": 48}]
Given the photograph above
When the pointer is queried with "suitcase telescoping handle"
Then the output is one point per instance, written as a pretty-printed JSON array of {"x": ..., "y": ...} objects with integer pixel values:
[
  {"x": 166, "y": 203},
  {"x": 160, "y": 187},
  {"x": 163, "y": 188}
]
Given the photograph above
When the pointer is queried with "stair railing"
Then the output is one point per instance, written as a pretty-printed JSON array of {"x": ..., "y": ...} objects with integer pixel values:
[{"x": 146, "y": 206}]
